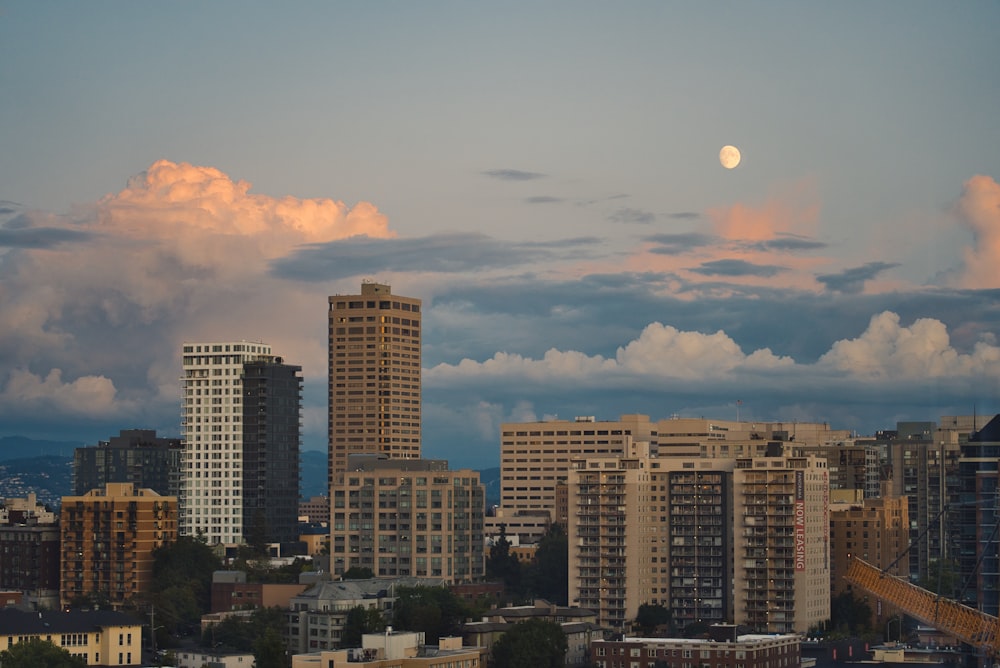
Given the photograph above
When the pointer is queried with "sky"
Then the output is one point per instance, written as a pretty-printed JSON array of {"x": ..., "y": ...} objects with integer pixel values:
[{"x": 544, "y": 176}]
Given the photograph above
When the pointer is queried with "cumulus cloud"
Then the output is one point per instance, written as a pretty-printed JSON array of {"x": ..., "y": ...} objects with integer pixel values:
[
  {"x": 978, "y": 209},
  {"x": 182, "y": 252},
  {"x": 663, "y": 354},
  {"x": 888, "y": 350},
  {"x": 91, "y": 396}
]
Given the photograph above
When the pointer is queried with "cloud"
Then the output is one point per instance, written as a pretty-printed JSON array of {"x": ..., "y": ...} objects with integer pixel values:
[
  {"x": 629, "y": 215},
  {"x": 40, "y": 237},
  {"x": 888, "y": 350},
  {"x": 673, "y": 244},
  {"x": 513, "y": 175},
  {"x": 853, "y": 280},
  {"x": 978, "y": 209},
  {"x": 91, "y": 396},
  {"x": 737, "y": 268},
  {"x": 542, "y": 199},
  {"x": 684, "y": 215},
  {"x": 794, "y": 211},
  {"x": 445, "y": 253},
  {"x": 105, "y": 298}
]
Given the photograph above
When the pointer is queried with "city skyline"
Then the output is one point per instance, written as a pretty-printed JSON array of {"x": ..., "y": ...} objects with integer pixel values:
[{"x": 546, "y": 180}]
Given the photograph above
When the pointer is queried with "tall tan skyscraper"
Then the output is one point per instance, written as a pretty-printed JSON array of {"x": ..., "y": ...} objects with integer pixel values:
[{"x": 374, "y": 381}]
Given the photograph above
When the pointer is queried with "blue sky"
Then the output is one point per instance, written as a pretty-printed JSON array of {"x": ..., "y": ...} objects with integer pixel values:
[{"x": 544, "y": 176}]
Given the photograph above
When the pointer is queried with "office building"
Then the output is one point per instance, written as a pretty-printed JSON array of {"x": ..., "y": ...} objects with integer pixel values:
[
  {"x": 240, "y": 427},
  {"x": 374, "y": 375},
  {"x": 535, "y": 460},
  {"x": 978, "y": 519},
  {"x": 922, "y": 463},
  {"x": 876, "y": 530},
  {"x": 136, "y": 456},
  {"x": 407, "y": 518},
  {"x": 108, "y": 537}
]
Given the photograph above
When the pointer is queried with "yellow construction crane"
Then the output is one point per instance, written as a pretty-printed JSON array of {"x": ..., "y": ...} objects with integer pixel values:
[{"x": 975, "y": 628}]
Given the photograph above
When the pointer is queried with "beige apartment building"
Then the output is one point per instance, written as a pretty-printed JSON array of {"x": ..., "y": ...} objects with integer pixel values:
[
  {"x": 781, "y": 543},
  {"x": 374, "y": 375},
  {"x": 407, "y": 518},
  {"x": 107, "y": 541},
  {"x": 652, "y": 530},
  {"x": 535, "y": 456},
  {"x": 713, "y": 540}
]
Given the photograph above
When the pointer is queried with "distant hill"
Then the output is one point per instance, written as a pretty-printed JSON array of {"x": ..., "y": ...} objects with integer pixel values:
[
  {"x": 49, "y": 477},
  {"x": 491, "y": 481},
  {"x": 20, "y": 447},
  {"x": 46, "y": 468}
]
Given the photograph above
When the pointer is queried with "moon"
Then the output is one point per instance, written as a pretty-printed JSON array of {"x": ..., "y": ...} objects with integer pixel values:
[{"x": 729, "y": 156}]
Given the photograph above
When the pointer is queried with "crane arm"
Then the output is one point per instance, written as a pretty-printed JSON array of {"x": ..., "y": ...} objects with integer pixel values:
[{"x": 967, "y": 624}]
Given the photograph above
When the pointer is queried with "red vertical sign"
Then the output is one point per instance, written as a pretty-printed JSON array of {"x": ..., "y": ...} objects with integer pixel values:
[{"x": 800, "y": 521}]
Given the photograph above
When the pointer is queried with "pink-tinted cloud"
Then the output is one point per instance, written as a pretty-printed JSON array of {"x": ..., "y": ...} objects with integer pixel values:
[
  {"x": 182, "y": 252},
  {"x": 978, "y": 209},
  {"x": 794, "y": 211}
]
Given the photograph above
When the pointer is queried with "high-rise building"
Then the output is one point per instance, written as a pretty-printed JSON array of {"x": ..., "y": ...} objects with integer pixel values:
[
  {"x": 137, "y": 456},
  {"x": 651, "y": 530},
  {"x": 407, "y": 518},
  {"x": 781, "y": 543},
  {"x": 240, "y": 425},
  {"x": 978, "y": 519},
  {"x": 108, "y": 537},
  {"x": 374, "y": 375}
]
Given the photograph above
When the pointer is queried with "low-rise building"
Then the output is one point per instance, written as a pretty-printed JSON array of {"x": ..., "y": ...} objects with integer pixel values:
[
  {"x": 231, "y": 591},
  {"x": 746, "y": 651},
  {"x": 578, "y": 624},
  {"x": 395, "y": 650},
  {"x": 101, "y": 637},
  {"x": 317, "y": 616},
  {"x": 29, "y": 545}
]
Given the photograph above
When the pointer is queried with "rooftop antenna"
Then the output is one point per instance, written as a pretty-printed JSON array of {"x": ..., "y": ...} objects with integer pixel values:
[{"x": 739, "y": 402}]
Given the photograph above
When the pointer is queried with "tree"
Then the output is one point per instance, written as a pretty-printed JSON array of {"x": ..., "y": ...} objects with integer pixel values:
[
  {"x": 37, "y": 652},
  {"x": 182, "y": 582},
  {"x": 535, "y": 643},
  {"x": 241, "y": 633},
  {"x": 360, "y": 620},
  {"x": 436, "y": 611},
  {"x": 502, "y": 565},
  {"x": 650, "y": 616},
  {"x": 269, "y": 651},
  {"x": 548, "y": 575},
  {"x": 357, "y": 573},
  {"x": 849, "y": 614}
]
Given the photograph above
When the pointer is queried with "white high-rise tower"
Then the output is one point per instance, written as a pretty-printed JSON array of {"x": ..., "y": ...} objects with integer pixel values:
[{"x": 211, "y": 498}]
